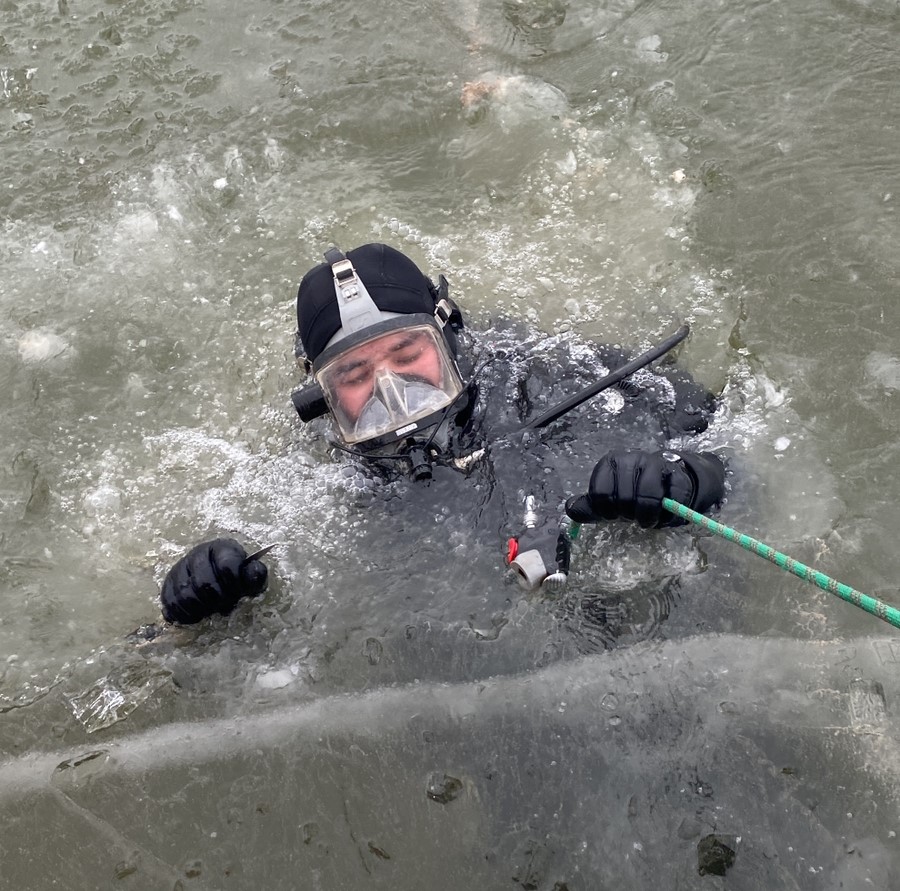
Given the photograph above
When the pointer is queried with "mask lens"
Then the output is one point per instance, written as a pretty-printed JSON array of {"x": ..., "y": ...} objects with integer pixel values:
[{"x": 388, "y": 382}]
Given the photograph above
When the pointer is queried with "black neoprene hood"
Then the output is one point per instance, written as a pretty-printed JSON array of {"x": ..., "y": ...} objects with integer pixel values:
[{"x": 395, "y": 283}]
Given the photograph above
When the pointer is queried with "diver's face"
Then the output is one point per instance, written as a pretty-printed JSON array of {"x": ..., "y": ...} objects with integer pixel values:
[{"x": 410, "y": 354}]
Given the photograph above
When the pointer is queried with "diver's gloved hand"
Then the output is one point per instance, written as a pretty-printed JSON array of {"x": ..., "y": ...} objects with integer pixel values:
[
  {"x": 632, "y": 484},
  {"x": 210, "y": 578},
  {"x": 694, "y": 405}
]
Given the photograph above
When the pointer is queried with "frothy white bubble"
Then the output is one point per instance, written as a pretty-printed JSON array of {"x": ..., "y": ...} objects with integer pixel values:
[
  {"x": 41, "y": 346},
  {"x": 515, "y": 99},
  {"x": 649, "y": 49},
  {"x": 274, "y": 154},
  {"x": 138, "y": 226},
  {"x": 276, "y": 679},
  {"x": 102, "y": 500}
]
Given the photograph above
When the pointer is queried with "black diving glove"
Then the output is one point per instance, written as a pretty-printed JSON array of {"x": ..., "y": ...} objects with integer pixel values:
[
  {"x": 632, "y": 484},
  {"x": 210, "y": 578},
  {"x": 693, "y": 407}
]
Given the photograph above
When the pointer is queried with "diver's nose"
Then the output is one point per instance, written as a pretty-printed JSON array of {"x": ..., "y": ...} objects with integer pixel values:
[{"x": 391, "y": 391}]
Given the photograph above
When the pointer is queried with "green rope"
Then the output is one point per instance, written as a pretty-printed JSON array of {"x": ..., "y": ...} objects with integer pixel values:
[{"x": 851, "y": 595}]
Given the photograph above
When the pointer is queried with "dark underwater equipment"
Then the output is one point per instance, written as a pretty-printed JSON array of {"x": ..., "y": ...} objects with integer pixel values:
[
  {"x": 548, "y": 417},
  {"x": 309, "y": 401},
  {"x": 420, "y": 463},
  {"x": 539, "y": 555}
]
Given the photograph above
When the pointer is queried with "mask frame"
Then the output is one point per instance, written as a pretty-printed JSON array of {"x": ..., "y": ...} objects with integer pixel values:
[{"x": 450, "y": 383}]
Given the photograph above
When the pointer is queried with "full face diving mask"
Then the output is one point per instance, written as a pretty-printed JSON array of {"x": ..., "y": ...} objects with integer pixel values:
[
  {"x": 385, "y": 376},
  {"x": 391, "y": 384}
]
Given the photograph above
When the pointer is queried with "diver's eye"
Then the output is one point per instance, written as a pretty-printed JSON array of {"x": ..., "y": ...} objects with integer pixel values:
[
  {"x": 409, "y": 350},
  {"x": 409, "y": 357},
  {"x": 355, "y": 375}
]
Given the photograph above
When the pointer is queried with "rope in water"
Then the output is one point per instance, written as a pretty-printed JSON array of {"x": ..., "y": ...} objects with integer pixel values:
[{"x": 870, "y": 604}]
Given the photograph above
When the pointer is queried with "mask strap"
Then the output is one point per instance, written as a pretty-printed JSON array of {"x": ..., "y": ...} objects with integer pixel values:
[{"x": 355, "y": 304}]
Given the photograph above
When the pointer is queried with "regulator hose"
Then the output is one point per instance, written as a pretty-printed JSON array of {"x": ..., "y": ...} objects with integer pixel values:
[{"x": 548, "y": 417}]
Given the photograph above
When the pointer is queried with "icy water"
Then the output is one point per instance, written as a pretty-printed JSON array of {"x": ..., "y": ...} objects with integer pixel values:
[{"x": 391, "y": 714}]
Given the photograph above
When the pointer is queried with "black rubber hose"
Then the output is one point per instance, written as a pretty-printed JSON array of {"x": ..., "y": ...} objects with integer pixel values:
[{"x": 548, "y": 417}]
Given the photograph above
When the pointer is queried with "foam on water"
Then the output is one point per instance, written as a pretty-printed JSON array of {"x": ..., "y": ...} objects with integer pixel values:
[{"x": 41, "y": 346}]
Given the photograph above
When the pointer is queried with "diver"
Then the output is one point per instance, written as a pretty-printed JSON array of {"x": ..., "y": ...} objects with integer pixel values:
[{"x": 393, "y": 368}]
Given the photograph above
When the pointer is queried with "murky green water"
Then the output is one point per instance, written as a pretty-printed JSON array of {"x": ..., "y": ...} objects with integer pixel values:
[{"x": 597, "y": 171}]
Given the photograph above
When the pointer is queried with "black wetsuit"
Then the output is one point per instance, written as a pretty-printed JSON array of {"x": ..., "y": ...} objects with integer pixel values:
[
  {"x": 435, "y": 551},
  {"x": 424, "y": 539}
]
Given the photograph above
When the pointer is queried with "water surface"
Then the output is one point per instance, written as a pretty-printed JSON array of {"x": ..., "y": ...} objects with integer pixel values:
[{"x": 600, "y": 172}]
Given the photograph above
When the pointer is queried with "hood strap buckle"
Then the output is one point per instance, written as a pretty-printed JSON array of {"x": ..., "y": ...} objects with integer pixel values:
[{"x": 446, "y": 311}]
